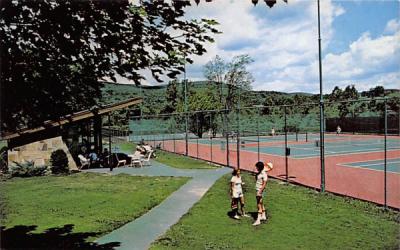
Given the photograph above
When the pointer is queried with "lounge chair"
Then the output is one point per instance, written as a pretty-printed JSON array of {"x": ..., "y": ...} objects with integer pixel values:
[
  {"x": 136, "y": 159},
  {"x": 146, "y": 160},
  {"x": 119, "y": 162},
  {"x": 84, "y": 162}
]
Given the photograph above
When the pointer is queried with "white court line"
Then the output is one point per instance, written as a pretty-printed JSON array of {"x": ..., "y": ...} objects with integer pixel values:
[
  {"x": 374, "y": 164},
  {"x": 343, "y": 165},
  {"x": 314, "y": 156}
]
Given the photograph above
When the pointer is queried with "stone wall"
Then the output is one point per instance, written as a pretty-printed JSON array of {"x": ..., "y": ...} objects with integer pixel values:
[{"x": 39, "y": 152}]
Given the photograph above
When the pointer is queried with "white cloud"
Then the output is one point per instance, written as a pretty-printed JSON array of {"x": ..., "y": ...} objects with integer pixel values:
[
  {"x": 392, "y": 26},
  {"x": 366, "y": 61},
  {"x": 283, "y": 42}
]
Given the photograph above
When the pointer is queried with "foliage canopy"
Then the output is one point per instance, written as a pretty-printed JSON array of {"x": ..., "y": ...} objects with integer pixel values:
[{"x": 54, "y": 52}]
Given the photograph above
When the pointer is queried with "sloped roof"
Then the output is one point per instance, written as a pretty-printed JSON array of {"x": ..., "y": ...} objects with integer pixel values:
[{"x": 71, "y": 118}]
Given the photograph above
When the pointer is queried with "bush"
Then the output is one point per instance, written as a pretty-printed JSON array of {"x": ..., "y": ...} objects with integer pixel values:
[
  {"x": 59, "y": 162},
  {"x": 3, "y": 160},
  {"x": 27, "y": 170}
]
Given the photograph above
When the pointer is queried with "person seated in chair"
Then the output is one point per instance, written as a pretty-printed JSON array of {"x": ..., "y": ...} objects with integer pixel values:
[
  {"x": 141, "y": 149},
  {"x": 94, "y": 159},
  {"x": 104, "y": 158}
]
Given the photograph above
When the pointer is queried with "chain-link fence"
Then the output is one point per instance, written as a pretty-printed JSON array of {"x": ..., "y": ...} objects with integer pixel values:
[{"x": 358, "y": 155}]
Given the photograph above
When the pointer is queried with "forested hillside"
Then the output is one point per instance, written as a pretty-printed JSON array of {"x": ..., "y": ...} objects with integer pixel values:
[{"x": 302, "y": 110}]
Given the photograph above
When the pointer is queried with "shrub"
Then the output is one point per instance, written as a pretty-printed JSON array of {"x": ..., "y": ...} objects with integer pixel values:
[
  {"x": 59, "y": 162},
  {"x": 27, "y": 169},
  {"x": 3, "y": 160}
]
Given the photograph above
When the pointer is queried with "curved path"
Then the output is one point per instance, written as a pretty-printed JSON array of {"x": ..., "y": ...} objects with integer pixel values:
[{"x": 140, "y": 233}]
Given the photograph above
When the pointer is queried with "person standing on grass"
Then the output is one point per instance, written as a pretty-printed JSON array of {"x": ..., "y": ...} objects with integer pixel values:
[
  {"x": 261, "y": 182},
  {"x": 236, "y": 192}
]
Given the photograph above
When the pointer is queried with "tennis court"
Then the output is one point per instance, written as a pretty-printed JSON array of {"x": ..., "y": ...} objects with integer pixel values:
[
  {"x": 311, "y": 149},
  {"x": 392, "y": 165}
]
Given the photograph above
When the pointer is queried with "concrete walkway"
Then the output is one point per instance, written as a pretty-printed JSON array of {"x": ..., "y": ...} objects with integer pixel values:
[{"x": 140, "y": 233}]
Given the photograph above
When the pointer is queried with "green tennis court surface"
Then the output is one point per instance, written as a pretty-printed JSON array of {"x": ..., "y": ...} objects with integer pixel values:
[
  {"x": 331, "y": 148},
  {"x": 392, "y": 165}
]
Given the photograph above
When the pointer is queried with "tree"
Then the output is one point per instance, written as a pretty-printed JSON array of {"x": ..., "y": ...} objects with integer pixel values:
[
  {"x": 215, "y": 71},
  {"x": 336, "y": 94},
  {"x": 377, "y": 91},
  {"x": 54, "y": 52},
  {"x": 172, "y": 97},
  {"x": 200, "y": 121},
  {"x": 269, "y": 3},
  {"x": 238, "y": 78},
  {"x": 234, "y": 74},
  {"x": 350, "y": 93}
]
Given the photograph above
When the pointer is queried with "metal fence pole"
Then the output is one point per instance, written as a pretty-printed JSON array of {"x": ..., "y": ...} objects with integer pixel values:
[
  {"x": 186, "y": 118},
  {"x": 227, "y": 138},
  {"x": 211, "y": 137},
  {"x": 286, "y": 148},
  {"x": 385, "y": 160},
  {"x": 198, "y": 131},
  {"x": 321, "y": 107},
  {"x": 238, "y": 137},
  {"x": 109, "y": 141},
  {"x": 173, "y": 135},
  {"x": 398, "y": 118},
  {"x": 186, "y": 135},
  {"x": 258, "y": 135}
]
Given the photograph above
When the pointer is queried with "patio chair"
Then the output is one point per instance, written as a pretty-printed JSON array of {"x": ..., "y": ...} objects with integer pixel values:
[
  {"x": 119, "y": 162},
  {"x": 146, "y": 160},
  {"x": 136, "y": 159},
  {"x": 84, "y": 162}
]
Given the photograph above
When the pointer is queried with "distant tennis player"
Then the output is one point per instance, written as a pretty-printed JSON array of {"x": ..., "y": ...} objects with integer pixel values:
[
  {"x": 338, "y": 130},
  {"x": 261, "y": 182}
]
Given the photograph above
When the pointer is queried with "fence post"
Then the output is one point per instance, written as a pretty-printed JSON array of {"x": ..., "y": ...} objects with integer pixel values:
[
  {"x": 198, "y": 131},
  {"x": 385, "y": 158},
  {"x": 186, "y": 135},
  {"x": 286, "y": 147},
  {"x": 227, "y": 137},
  {"x": 173, "y": 135},
  {"x": 258, "y": 135},
  {"x": 238, "y": 135},
  {"x": 109, "y": 141},
  {"x": 322, "y": 145},
  {"x": 211, "y": 138},
  {"x": 321, "y": 107}
]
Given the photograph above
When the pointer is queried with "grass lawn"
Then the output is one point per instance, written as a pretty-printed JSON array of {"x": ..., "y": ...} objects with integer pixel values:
[
  {"x": 299, "y": 218},
  {"x": 170, "y": 159},
  {"x": 92, "y": 203},
  {"x": 183, "y": 162}
]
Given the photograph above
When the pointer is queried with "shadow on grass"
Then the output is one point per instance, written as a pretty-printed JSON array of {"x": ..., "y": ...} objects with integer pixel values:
[
  {"x": 252, "y": 214},
  {"x": 21, "y": 237}
]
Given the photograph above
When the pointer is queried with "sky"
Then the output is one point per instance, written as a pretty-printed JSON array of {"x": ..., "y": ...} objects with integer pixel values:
[{"x": 360, "y": 42}]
